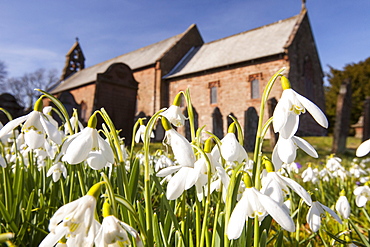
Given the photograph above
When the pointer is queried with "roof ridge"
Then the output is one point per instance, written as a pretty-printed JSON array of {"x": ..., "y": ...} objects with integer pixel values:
[{"x": 254, "y": 29}]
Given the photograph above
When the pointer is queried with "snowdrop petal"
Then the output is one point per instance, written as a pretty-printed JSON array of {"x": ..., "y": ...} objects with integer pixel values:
[
  {"x": 106, "y": 149},
  {"x": 168, "y": 170},
  {"x": 332, "y": 213},
  {"x": 96, "y": 160},
  {"x": 314, "y": 110},
  {"x": 276, "y": 159},
  {"x": 297, "y": 188},
  {"x": 276, "y": 211},
  {"x": 361, "y": 201},
  {"x": 181, "y": 148},
  {"x": 286, "y": 149},
  {"x": 52, "y": 131},
  {"x": 34, "y": 139},
  {"x": 280, "y": 114},
  {"x": 314, "y": 217},
  {"x": 12, "y": 125},
  {"x": 363, "y": 149},
  {"x": 237, "y": 219},
  {"x": 229, "y": 147},
  {"x": 52, "y": 238},
  {"x": 176, "y": 186},
  {"x": 291, "y": 126},
  {"x": 80, "y": 147},
  {"x": 305, "y": 146}
]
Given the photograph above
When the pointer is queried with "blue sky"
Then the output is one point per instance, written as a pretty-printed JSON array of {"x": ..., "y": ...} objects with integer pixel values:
[{"x": 37, "y": 34}]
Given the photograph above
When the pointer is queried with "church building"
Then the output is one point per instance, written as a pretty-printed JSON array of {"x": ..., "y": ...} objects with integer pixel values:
[{"x": 225, "y": 76}]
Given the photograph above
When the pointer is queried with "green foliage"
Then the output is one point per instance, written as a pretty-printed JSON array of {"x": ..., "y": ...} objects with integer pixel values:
[{"x": 359, "y": 75}]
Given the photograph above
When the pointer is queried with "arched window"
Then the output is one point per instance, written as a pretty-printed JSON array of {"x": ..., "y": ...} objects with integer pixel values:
[{"x": 213, "y": 91}]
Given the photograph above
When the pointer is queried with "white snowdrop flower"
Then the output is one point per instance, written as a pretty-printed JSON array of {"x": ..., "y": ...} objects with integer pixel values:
[
  {"x": 310, "y": 174},
  {"x": 276, "y": 185},
  {"x": 113, "y": 232},
  {"x": 185, "y": 176},
  {"x": 230, "y": 149},
  {"x": 356, "y": 171},
  {"x": 288, "y": 109},
  {"x": 56, "y": 170},
  {"x": 88, "y": 145},
  {"x": 362, "y": 194},
  {"x": 325, "y": 174},
  {"x": 36, "y": 126},
  {"x": 141, "y": 131},
  {"x": 74, "y": 220},
  {"x": 75, "y": 123},
  {"x": 333, "y": 163},
  {"x": 340, "y": 173},
  {"x": 285, "y": 150},
  {"x": 342, "y": 206},
  {"x": 162, "y": 162},
  {"x": 315, "y": 213},
  {"x": 181, "y": 147},
  {"x": 174, "y": 114},
  {"x": 363, "y": 149},
  {"x": 253, "y": 203}
]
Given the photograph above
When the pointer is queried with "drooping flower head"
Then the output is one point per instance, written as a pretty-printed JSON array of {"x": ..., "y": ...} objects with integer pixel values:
[
  {"x": 316, "y": 211},
  {"x": 88, "y": 145},
  {"x": 173, "y": 113},
  {"x": 36, "y": 127},
  {"x": 288, "y": 109},
  {"x": 185, "y": 176},
  {"x": 253, "y": 203},
  {"x": 74, "y": 220},
  {"x": 141, "y": 131},
  {"x": 342, "y": 206},
  {"x": 230, "y": 149},
  {"x": 113, "y": 232}
]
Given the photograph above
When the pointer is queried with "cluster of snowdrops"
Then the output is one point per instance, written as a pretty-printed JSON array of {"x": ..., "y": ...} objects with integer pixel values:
[{"x": 69, "y": 185}]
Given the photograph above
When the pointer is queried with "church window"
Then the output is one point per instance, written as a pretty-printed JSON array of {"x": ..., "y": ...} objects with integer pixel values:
[
  {"x": 213, "y": 91},
  {"x": 254, "y": 80}
]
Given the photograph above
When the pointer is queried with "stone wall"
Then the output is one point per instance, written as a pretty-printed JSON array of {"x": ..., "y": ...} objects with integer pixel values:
[{"x": 233, "y": 89}]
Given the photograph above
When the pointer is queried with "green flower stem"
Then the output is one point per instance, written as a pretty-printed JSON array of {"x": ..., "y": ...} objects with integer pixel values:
[
  {"x": 63, "y": 191},
  {"x": 217, "y": 214},
  {"x": 231, "y": 198},
  {"x": 110, "y": 192},
  {"x": 258, "y": 146},
  {"x": 298, "y": 224},
  {"x": 61, "y": 108},
  {"x": 147, "y": 186},
  {"x": 190, "y": 113},
  {"x": 259, "y": 137},
  {"x": 197, "y": 222},
  {"x": 204, "y": 234},
  {"x": 81, "y": 178}
]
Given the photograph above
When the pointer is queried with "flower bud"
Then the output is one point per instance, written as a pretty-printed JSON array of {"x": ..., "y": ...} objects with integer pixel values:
[
  {"x": 39, "y": 105},
  {"x": 92, "y": 121},
  {"x": 166, "y": 124},
  {"x": 95, "y": 190}
]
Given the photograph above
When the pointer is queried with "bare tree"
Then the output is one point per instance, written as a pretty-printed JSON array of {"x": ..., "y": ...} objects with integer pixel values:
[
  {"x": 3, "y": 72},
  {"x": 23, "y": 88}
]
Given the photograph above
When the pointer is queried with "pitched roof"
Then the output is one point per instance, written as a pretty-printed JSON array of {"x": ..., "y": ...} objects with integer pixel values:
[
  {"x": 256, "y": 43},
  {"x": 142, "y": 57}
]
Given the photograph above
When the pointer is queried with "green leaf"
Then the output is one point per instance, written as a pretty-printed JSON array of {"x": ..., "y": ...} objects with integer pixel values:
[
  {"x": 263, "y": 238},
  {"x": 362, "y": 237},
  {"x": 279, "y": 240},
  {"x": 134, "y": 179}
]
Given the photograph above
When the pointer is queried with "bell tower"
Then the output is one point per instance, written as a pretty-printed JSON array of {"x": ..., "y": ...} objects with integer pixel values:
[{"x": 75, "y": 61}]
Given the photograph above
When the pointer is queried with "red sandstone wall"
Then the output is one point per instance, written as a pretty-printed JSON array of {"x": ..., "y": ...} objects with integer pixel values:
[
  {"x": 234, "y": 92},
  {"x": 86, "y": 94},
  {"x": 146, "y": 96}
]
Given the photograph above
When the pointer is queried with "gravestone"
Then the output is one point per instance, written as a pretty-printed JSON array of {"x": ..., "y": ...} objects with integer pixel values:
[
  {"x": 271, "y": 104},
  {"x": 250, "y": 128},
  {"x": 187, "y": 123},
  {"x": 366, "y": 122},
  {"x": 342, "y": 118},
  {"x": 217, "y": 124}
]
